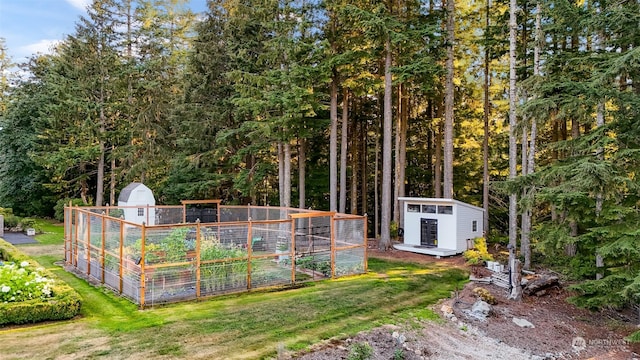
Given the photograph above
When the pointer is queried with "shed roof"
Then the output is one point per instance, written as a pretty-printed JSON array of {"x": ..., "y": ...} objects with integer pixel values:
[
  {"x": 440, "y": 200},
  {"x": 126, "y": 192}
]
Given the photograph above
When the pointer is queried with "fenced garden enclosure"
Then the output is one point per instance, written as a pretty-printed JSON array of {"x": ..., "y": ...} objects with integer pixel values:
[{"x": 203, "y": 248}]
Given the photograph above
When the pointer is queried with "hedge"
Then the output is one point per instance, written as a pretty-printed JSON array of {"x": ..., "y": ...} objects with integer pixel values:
[{"x": 64, "y": 304}]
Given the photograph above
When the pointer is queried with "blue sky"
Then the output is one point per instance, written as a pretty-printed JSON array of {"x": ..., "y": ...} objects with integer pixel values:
[{"x": 32, "y": 26}]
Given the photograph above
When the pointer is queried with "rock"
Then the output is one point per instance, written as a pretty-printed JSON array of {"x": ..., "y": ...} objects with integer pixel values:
[
  {"x": 480, "y": 310},
  {"x": 400, "y": 338},
  {"x": 523, "y": 323},
  {"x": 454, "y": 318},
  {"x": 446, "y": 309}
]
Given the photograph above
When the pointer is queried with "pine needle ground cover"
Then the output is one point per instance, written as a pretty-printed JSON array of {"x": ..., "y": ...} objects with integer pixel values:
[{"x": 251, "y": 325}]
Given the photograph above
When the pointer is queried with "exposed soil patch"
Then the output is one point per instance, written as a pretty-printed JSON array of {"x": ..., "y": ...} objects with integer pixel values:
[{"x": 561, "y": 331}]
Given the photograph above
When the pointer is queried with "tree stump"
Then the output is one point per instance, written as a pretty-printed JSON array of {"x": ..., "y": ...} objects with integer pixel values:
[{"x": 516, "y": 278}]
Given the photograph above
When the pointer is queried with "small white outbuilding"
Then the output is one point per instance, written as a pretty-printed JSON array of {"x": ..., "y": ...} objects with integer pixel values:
[
  {"x": 440, "y": 227},
  {"x": 138, "y": 204}
]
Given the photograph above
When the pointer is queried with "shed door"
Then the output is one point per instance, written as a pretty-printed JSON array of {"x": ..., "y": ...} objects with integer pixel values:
[{"x": 428, "y": 232}]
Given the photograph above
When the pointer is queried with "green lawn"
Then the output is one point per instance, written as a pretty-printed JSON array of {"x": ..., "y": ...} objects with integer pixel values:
[
  {"x": 248, "y": 325},
  {"x": 50, "y": 233}
]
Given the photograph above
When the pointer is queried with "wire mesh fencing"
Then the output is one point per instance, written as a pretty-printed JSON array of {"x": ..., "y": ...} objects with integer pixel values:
[{"x": 248, "y": 248}]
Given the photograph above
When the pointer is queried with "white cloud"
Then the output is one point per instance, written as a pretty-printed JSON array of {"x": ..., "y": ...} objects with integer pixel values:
[
  {"x": 79, "y": 4},
  {"x": 43, "y": 46}
]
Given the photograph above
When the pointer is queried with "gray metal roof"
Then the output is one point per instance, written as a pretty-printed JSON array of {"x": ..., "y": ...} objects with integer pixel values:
[{"x": 126, "y": 192}]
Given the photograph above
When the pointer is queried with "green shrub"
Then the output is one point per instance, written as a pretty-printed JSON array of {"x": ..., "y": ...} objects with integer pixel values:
[
  {"x": 6, "y": 211},
  {"x": 479, "y": 253},
  {"x": 11, "y": 221},
  {"x": 116, "y": 213},
  {"x": 485, "y": 295},
  {"x": 393, "y": 229},
  {"x": 59, "y": 207},
  {"x": 360, "y": 351},
  {"x": 64, "y": 303},
  {"x": 26, "y": 223}
]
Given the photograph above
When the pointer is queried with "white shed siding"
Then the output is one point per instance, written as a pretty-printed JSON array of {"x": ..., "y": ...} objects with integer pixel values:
[
  {"x": 411, "y": 226},
  {"x": 138, "y": 197},
  {"x": 446, "y": 223},
  {"x": 466, "y": 216},
  {"x": 447, "y": 229},
  {"x": 453, "y": 229}
]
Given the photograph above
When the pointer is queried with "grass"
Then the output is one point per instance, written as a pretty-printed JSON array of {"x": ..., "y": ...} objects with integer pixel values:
[
  {"x": 51, "y": 233},
  {"x": 249, "y": 325}
]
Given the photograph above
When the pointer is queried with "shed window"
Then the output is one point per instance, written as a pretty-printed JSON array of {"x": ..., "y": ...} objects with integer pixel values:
[
  {"x": 413, "y": 208},
  {"x": 140, "y": 211},
  {"x": 445, "y": 209},
  {"x": 474, "y": 226},
  {"x": 431, "y": 209}
]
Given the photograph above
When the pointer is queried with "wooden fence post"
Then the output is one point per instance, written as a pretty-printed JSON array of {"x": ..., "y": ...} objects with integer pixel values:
[
  {"x": 249, "y": 252},
  {"x": 142, "y": 275},
  {"x": 198, "y": 242},
  {"x": 121, "y": 255},
  {"x": 102, "y": 248},
  {"x": 366, "y": 245},
  {"x": 332, "y": 233},
  {"x": 293, "y": 250},
  {"x": 88, "y": 244}
]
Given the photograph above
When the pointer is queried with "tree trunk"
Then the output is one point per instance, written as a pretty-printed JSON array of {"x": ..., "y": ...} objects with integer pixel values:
[
  {"x": 101, "y": 161},
  {"x": 437, "y": 168},
  {"x": 333, "y": 145},
  {"x": 528, "y": 158},
  {"x": 396, "y": 183},
  {"x": 343, "y": 150},
  {"x": 302, "y": 172},
  {"x": 287, "y": 174},
  {"x": 84, "y": 189},
  {"x": 364, "y": 156},
  {"x": 448, "y": 104},
  {"x": 400, "y": 152},
  {"x": 376, "y": 184},
  {"x": 355, "y": 159},
  {"x": 571, "y": 249},
  {"x": 513, "y": 150},
  {"x": 112, "y": 183},
  {"x": 485, "y": 140},
  {"x": 516, "y": 280},
  {"x": 404, "y": 116},
  {"x": 385, "y": 218},
  {"x": 599, "y": 153},
  {"x": 280, "y": 174},
  {"x": 525, "y": 245}
]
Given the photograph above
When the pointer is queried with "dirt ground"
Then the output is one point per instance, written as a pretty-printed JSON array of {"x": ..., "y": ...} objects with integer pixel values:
[{"x": 561, "y": 331}]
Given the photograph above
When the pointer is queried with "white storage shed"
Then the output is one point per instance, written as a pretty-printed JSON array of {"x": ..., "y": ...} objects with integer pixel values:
[
  {"x": 134, "y": 199},
  {"x": 440, "y": 227}
]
